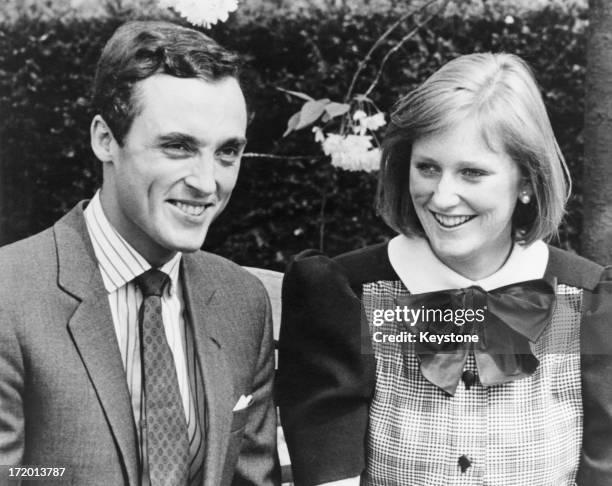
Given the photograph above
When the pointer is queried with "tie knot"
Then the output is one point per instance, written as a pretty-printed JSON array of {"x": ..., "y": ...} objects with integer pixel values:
[{"x": 152, "y": 282}]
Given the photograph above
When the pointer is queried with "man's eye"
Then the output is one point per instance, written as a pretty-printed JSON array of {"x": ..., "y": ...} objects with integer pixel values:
[
  {"x": 179, "y": 147},
  {"x": 229, "y": 153}
]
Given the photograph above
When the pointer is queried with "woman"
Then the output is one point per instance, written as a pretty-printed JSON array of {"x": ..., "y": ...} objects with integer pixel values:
[{"x": 377, "y": 381}]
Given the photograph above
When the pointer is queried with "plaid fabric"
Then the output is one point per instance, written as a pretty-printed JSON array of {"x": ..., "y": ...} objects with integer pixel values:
[{"x": 524, "y": 433}]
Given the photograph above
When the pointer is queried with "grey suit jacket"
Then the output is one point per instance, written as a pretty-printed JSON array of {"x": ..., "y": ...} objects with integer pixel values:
[{"x": 64, "y": 400}]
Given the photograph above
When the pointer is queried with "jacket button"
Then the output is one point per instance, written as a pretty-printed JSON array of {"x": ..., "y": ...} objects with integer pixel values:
[
  {"x": 469, "y": 378},
  {"x": 464, "y": 463}
]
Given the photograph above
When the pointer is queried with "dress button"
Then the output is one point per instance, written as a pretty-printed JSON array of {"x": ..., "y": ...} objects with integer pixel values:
[
  {"x": 464, "y": 463},
  {"x": 469, "y": 378}
]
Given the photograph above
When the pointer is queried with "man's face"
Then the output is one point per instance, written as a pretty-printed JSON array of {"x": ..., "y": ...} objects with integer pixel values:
[{"x": 178, "y": 164}]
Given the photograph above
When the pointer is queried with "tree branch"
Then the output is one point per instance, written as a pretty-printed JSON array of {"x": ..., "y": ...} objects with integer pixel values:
[
  {"x": 403, "y": 40},
  {"x": 379, "y": 41},
  {"x": 251, "y": 155}
]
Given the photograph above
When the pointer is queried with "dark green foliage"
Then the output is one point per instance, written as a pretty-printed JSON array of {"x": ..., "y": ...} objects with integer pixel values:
[{"x": 46, "y": 70}]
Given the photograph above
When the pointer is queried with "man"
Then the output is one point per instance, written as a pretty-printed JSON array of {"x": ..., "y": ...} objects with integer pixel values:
[{"x": 128, "y": 356}]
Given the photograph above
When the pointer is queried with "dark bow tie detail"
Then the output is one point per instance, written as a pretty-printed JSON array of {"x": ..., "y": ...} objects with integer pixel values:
[{"x": 506, "y": 320}]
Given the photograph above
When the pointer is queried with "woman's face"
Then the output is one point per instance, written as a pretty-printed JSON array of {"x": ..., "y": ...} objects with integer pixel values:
[{"x": 464, "y": 195}]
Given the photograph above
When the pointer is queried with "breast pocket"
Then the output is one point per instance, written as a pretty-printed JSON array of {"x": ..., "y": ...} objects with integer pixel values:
[{"x": 239, "y": 420}]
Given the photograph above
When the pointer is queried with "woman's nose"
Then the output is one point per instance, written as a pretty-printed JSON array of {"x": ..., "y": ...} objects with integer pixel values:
[{"x": 446, "y": 193}]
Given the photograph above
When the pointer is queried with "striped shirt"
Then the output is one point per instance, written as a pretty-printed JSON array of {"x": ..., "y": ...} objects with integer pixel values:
[{"x": 120, "y": 264}]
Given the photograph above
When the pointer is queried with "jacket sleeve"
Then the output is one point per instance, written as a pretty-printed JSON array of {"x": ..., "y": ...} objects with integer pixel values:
[
  {"x": 258, "y": 461},
  {"x": 12, "y": 422},
  {"x": 325, "y": 376},
  {"x": 596, "y": 364}
]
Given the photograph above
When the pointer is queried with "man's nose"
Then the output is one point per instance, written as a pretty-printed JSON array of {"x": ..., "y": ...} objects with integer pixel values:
[
  {"x": 446, "y": 193},
  {"x": 202, "y": 175}
]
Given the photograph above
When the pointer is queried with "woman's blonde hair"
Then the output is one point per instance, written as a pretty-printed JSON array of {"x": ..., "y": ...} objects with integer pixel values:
[{"x": 499, "y": 91}]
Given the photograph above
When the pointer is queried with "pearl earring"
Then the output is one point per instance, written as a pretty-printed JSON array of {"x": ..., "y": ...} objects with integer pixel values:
[{"x": 525, "y": 198}]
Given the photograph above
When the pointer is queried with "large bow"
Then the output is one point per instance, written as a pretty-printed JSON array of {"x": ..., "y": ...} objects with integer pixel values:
[{"x": 513, "y": 316}]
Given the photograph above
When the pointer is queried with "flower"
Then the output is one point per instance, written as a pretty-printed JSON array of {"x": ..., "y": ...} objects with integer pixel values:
[
  {"x": 202, "y": 12},
  {"x": 365, "y": 123},
  {"x": 374, "y": 122},
  {"x": 359, "y": 115},
  {"x": 352, "y": 152},
  {"x": 319, "y": 136}
]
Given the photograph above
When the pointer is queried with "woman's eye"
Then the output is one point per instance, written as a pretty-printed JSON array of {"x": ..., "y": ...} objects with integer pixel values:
[
  {"x": 427, "y": 169},
  {"x": 473, "y": 173}
]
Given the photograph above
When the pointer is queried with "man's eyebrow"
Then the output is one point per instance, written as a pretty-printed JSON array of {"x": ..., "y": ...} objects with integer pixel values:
[
  {"x": 235, "y": 141},
  {"x": 189, "y": 139},
  {"x": 177, "y": 137}
]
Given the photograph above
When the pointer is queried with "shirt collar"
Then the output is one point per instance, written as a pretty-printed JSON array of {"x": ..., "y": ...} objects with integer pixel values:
[
  {"x": 421, "y": 271},
  {"x": 119, "y": 262}
]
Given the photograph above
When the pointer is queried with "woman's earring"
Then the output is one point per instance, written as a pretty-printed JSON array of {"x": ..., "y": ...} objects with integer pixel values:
[{"x": 525, "y": 198}]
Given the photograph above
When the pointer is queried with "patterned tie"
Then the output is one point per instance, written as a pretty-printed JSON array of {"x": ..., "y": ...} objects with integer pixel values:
[{"x": 165, "y": 426}]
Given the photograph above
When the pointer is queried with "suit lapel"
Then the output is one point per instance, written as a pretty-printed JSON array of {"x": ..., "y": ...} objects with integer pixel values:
[
  {"x": 206, "y": 318},
  {"x": 91, "y": 327}
]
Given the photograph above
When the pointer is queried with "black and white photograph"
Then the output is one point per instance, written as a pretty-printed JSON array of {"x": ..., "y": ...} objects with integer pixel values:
[{"x": 306, "y": 242}]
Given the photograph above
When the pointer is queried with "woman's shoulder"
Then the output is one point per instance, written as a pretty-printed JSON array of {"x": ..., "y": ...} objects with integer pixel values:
[
  {"x": 576, "y": 271},
  {"x": 353, "y": 268}
]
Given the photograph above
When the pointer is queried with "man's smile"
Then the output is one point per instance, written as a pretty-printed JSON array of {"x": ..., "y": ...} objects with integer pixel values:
[{"x": 191, "y": 208}]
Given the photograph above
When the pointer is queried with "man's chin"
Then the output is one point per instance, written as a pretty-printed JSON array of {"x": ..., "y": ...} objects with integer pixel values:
[{"x": 188, "y": 244}]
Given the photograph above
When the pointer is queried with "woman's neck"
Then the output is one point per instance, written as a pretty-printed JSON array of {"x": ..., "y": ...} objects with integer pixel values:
[{"x": 478, "y": 266}]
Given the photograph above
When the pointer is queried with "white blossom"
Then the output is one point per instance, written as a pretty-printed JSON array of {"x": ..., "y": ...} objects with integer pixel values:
[
  {"x": 202, "y": 12},
  {"x": 359, "y": 115},
  {"x": 319, "y": 136},
  {"x": 365, "y": 123},
  {"x": 374, "y": 122},
  {"x": 352, "y": 152}
]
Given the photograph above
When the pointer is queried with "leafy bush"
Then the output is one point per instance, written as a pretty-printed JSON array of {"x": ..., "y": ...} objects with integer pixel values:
[{"x": 47, "y": 165}]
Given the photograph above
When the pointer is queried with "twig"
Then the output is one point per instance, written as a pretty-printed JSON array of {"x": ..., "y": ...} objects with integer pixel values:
[
  {"x": 403, "y": 40},
  {"x": 379, "y": 41},
  {"x": 322, "y": 222},
  {"x": 251, "y": 155}
]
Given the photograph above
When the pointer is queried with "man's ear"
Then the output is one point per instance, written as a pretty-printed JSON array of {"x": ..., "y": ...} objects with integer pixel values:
[{"x": 102, "y": 139}]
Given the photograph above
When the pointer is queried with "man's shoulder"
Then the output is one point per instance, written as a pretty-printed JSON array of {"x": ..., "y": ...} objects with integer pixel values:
[
  {"x": 225, "y": 273},
  {"x": 28, "y": 267},
  {"x": 29, "y": 253}
]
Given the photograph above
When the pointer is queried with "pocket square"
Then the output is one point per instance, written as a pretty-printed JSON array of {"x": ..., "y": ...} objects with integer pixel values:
[{"x": 242, "y": 403}]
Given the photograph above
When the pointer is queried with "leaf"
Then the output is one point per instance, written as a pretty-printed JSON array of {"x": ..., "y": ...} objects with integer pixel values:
[
  {"x": 334, "y": 109},
  {"x": 310, "y": 113},
  {"x": 292, "y": 123},
  {"x": 303, "y": 96}
]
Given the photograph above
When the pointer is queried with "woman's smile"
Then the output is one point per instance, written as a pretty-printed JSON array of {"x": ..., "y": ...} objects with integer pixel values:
[{"x": 451, "y": 221}]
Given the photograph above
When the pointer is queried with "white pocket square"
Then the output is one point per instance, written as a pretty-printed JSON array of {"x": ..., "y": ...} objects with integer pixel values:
[{"x": 242, "y": 403}]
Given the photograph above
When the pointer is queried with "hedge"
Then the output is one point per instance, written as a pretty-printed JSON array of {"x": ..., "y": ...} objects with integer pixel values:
[{"x": 47, "y": 165}]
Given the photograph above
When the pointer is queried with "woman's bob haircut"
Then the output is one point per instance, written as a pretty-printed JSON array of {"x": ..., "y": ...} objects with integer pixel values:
[{"x": 499, "y": 92}]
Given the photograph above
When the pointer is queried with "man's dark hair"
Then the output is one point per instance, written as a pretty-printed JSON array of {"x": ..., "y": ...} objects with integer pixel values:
[{"x": 138, "y": 50}]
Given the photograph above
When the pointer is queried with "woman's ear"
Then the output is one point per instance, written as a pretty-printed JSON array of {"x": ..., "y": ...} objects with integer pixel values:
[{"x": 525, "y": 192}]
